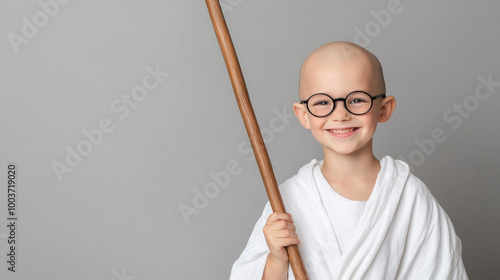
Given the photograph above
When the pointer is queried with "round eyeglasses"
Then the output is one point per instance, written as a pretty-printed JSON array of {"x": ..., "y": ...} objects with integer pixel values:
[{"x": 357, "y": 103}]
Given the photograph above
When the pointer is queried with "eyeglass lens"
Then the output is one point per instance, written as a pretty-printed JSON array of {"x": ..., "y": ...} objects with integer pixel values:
[{"x": 357, "y": 103}]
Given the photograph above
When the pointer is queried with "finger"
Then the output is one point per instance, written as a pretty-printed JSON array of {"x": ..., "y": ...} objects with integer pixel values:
[
  {"x": 285, "y": 233},
  {"x": 279, "y": 243},
  {"x": 279, "y": 225},
  {"x": 280, "y": 238},
  {"x": 276, "y": 216}
]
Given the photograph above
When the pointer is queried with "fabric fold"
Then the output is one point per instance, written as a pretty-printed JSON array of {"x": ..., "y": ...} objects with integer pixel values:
[{"x": 403, "y": 232}]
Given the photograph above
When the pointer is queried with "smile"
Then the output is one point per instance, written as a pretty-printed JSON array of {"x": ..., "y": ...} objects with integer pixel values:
[{"x": 342, "y": 131}]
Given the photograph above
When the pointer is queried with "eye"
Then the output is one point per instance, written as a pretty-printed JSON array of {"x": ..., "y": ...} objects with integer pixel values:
[
  {"x": 357, "y": 100},
  {"x": 322, "y": 103}
]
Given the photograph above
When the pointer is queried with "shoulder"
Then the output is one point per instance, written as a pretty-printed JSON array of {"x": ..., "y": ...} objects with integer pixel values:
[
  {"x": 301, "y": 181},
  {"x": 411, "y": 183},
  {"x": 418, "y": 188},
  {"x": 417, "y": 199},
  {"x": 299, "y": 191},
  {"x": 414, "y": 197},
  {"x": 431, "y": 241}
]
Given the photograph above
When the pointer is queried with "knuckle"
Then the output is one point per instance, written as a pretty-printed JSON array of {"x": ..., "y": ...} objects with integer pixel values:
[{"x": 283, "y": 224}]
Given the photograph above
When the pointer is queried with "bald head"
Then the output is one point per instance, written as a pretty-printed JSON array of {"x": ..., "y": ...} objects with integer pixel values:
[{"x": 339, "y": 68}]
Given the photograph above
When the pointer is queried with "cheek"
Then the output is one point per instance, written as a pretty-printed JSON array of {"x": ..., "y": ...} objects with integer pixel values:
[
  {"x": 316, "y": 124},
  {"x": 317, "y": 127},
  {"x": 375, "y": 112},
  {"x": 372, "y": 116},
  {"x": 371, "y": 124}
]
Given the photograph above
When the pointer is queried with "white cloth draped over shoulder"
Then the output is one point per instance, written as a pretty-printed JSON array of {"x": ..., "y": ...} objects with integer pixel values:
[{"x": 403, "y": 232}]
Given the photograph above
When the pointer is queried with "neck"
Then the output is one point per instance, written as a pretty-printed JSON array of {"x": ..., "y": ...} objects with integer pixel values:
[{"x": 352, "y": 175}]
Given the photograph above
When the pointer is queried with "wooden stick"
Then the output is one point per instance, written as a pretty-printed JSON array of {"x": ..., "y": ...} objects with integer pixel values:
[{"x": 252, "y": 127}]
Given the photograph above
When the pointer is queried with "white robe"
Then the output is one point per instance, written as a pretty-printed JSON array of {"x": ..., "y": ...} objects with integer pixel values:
[{"x": 403, "y": 233}]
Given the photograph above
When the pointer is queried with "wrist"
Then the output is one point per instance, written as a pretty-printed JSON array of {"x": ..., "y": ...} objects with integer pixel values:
[
  {"x": 276, "y": 268},
  {"x": 277, "y": 260}
]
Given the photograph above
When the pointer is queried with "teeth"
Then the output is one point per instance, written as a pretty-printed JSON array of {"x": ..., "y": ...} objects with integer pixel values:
[{"x": 339, "y": 131}]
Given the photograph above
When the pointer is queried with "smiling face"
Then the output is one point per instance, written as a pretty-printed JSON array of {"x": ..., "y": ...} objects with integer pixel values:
[{"x": 338, "y": 69}]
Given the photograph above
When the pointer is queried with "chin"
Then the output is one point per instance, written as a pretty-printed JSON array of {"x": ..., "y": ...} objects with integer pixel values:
[{"x": 353, "y": 150}]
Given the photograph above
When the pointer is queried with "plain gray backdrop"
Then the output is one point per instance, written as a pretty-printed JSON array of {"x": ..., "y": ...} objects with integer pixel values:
[{"x": 120, "y": 117}]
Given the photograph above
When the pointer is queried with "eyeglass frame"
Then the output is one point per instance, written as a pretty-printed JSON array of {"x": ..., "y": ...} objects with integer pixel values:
[{"x": 334, "y": 101}]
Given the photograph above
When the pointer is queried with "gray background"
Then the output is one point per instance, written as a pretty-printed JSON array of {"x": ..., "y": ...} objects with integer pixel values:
[{"x": 116, "y": 215}]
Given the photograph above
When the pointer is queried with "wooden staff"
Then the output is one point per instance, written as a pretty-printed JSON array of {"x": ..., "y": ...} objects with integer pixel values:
[{"x": 252, "y": 127}]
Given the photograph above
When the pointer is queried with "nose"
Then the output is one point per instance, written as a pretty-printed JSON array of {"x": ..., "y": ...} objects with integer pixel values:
[{"x": 340, "y": 113}]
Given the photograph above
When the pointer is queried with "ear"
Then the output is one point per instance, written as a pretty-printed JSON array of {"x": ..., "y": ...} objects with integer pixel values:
[
  {"x": 387, "y": 108},
  {"x": 300, "y": 111}
]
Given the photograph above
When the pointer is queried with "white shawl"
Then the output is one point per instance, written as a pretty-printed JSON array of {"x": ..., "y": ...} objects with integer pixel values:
[{"x": 403, "y": 233}]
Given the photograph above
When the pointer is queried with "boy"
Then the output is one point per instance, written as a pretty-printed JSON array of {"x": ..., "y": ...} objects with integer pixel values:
[{"x": 354, "y": 216}]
